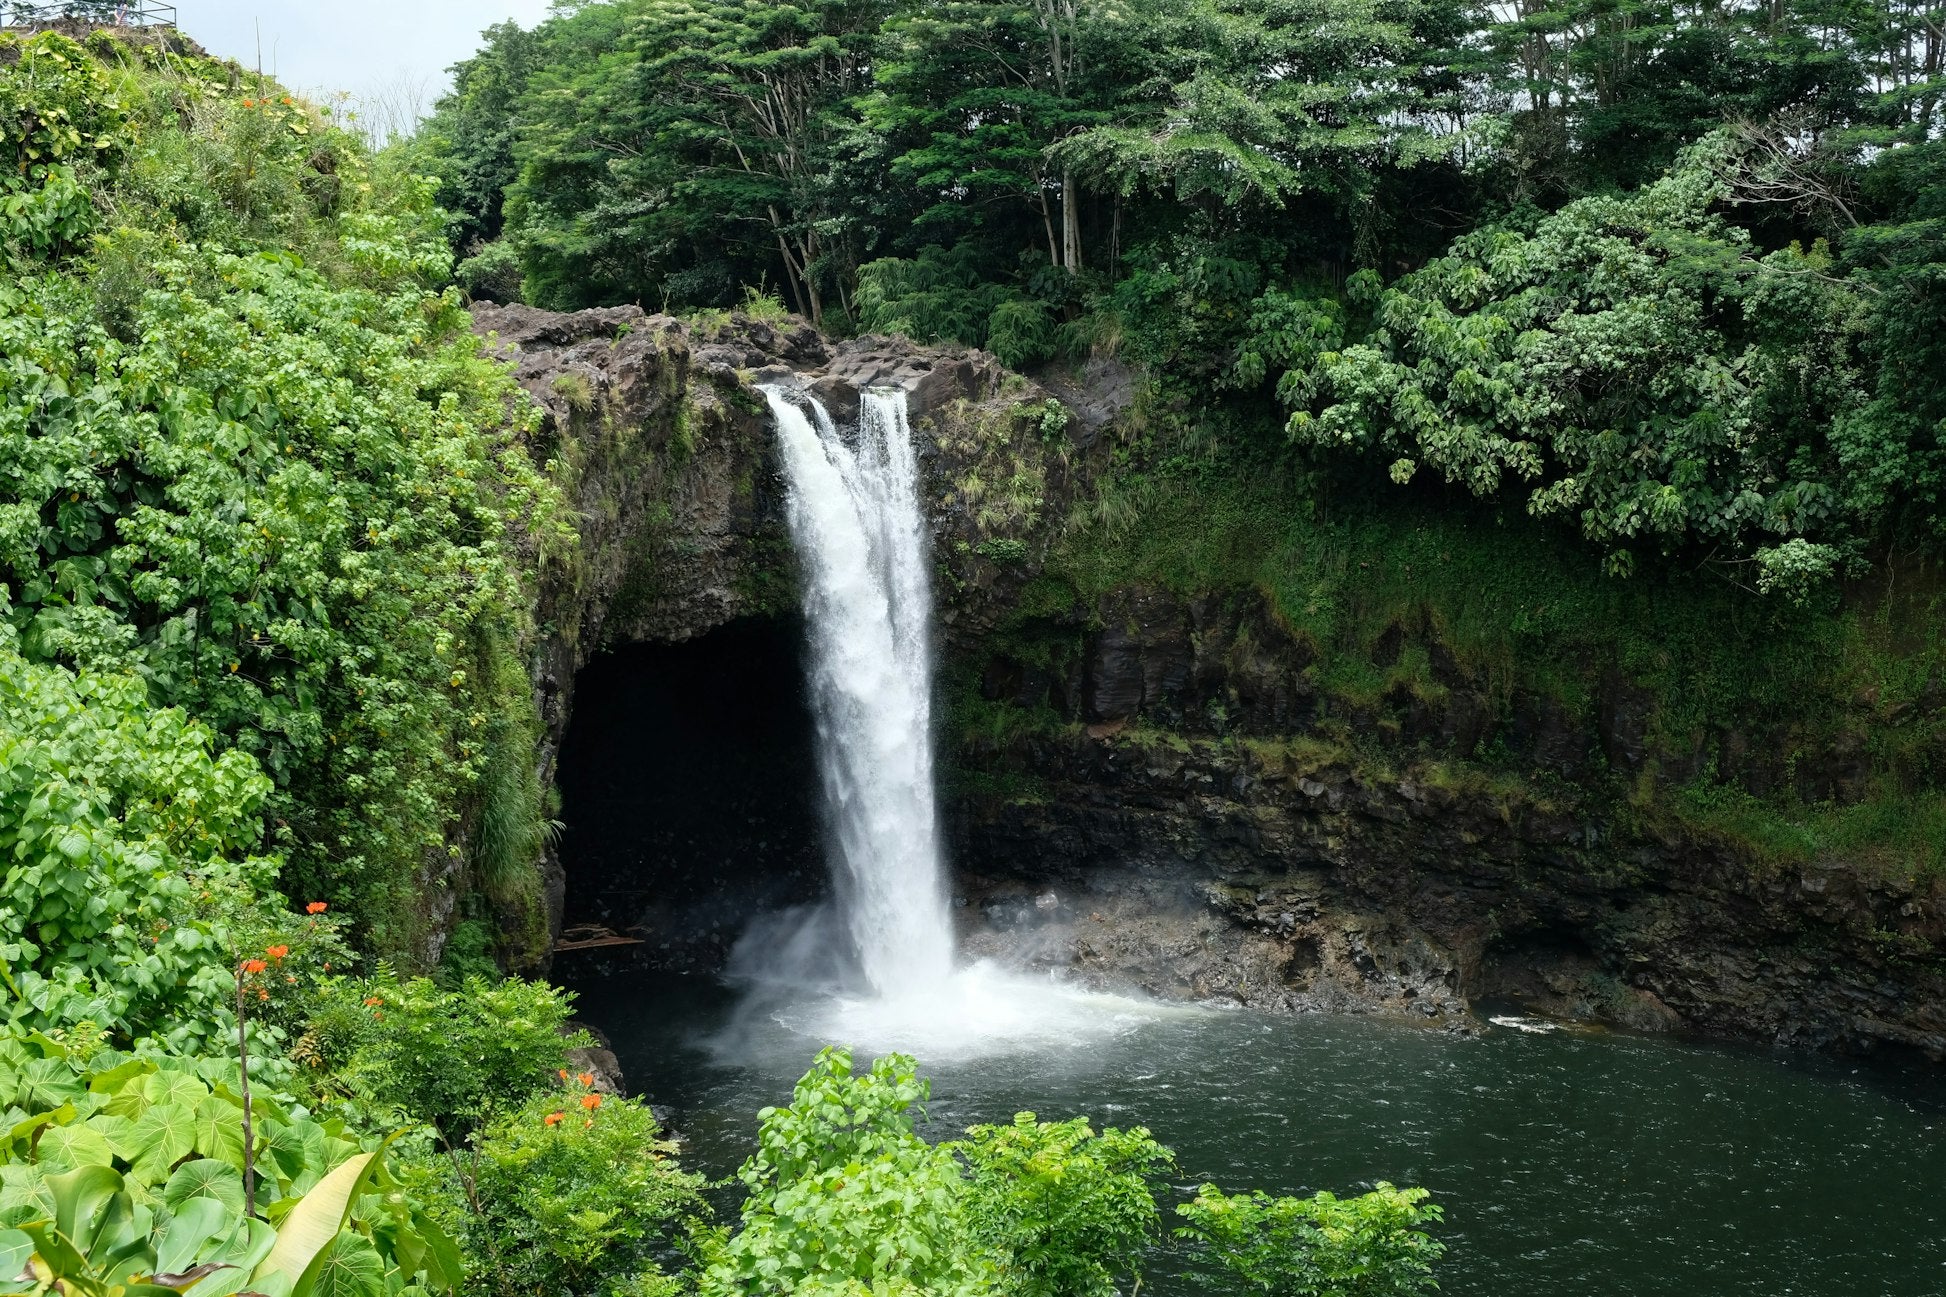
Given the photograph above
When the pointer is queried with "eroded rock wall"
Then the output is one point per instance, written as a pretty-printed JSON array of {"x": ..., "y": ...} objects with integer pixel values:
[
  {"x": 1170, "y": 802},
  {"x": 1185, "y": 812}
]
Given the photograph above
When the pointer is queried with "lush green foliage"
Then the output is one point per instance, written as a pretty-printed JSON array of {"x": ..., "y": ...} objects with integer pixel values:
[
  {"x": 125, "y": 836},
  {"x": 1067, "y": 1210},
  {"x": 451, "y": 1058},
  {"x": 578, "y": 1192},
  {"x": 1325, "y": 1246},
  {"x": 842, "y": 1191},
  {"x": 118, "y": 1164},
  {"x": 253, "y": 471},
  {"x": 1643, "y": 369}
]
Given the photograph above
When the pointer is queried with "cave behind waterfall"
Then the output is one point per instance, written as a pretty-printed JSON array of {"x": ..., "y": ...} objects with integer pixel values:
[{"x": 689, "y": 795}]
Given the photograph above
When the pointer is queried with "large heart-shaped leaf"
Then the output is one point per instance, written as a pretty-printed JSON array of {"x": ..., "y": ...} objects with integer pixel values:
[
  {"x": 219, "y": 1129},
  {"x": 172, "y": 1086},
  {"x": 24, "y": 1195},
  {"x": 63, "y": 1148},
  {"x": 205, "y": 1178},
  {"x": 158, "y": 1139},
  {"x": 348, "y": 1266}
]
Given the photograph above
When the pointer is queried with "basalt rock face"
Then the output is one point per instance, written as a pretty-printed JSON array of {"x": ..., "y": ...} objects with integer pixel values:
[
  {"x": 664, "y": 444},
  {"x": 1177, "y": 806},
  {"x": 1189, "y": 817}
]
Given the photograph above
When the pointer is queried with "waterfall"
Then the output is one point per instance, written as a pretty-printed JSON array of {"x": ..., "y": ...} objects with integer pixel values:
[{"x": 854, "y": 515}]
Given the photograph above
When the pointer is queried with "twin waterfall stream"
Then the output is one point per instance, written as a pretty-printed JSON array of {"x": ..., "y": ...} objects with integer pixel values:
[
  {"x": 854, "y": 515},
  {"x": 861, "y": 537}
]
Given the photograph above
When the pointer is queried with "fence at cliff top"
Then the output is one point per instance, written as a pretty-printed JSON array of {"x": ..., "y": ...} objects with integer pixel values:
[{"x": 105, "y": 13}]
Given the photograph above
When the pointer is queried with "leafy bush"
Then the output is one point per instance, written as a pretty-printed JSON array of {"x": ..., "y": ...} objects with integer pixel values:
[
  {"x": 1369, "y": 1246},
  {"x": 161, "y": 1140},
  {"x": 452, "y": 1058},
  {"x": 845, "y": 1197},
  {"x": 1067, "y": 1210},
  {"x": 125, "y": 837},
  {"x": 1642, "y": 368},
  {"x": 281, "y": 491},
  {"x": 578, "y": 1193}
]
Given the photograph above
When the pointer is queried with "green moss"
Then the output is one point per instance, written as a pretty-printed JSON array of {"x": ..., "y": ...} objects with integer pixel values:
[{"x": 1522, "y": 611}]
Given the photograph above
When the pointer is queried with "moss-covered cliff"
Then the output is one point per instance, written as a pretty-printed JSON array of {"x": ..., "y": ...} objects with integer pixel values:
[{"x": 1215, "y": 738}]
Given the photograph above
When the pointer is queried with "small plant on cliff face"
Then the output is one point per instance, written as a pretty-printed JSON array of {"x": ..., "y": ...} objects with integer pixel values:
[{"x": 576, "y": 390}]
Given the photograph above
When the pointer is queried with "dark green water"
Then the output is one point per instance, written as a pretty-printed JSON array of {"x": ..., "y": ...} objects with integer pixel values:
[{"x": 1568, "y": 1164}]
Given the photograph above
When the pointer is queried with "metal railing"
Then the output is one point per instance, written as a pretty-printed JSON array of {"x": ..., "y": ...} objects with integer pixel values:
[{"x": 105, "y": 13}]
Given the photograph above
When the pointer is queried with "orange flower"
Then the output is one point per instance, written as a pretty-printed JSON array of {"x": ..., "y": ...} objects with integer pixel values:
[
  {"x": 586, "y": 1078},
  {"x": 562, "y": 1073},
  {"x": 249, "y": 103},
  {"x": 254, "y": 965},
  {"x": 327, "y": 965},
  {"x": 316, "y": 907},
  {"x": 591, "y": 1101},
  {"x": 262, "y": 994},
  {"x": 370, "y": 1000},
  {"x": 277, "y": 952},
  {"x": 551, "y": 1119}
]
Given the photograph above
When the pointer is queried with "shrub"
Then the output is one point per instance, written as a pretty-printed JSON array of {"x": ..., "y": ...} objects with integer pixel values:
[
  {"x": 578, "y": 1193},
  {"x": 1067, "y": 1209},
  {"x": 452, "y": 1058},
  {"x": 1369, "y": 1246},
  {"x": 845, "y": 1197}
]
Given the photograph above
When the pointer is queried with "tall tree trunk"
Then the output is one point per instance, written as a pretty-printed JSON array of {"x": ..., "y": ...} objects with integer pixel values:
[
  {"x": 1070, "y": 224},
  {"x": 1047, "y": 223}
]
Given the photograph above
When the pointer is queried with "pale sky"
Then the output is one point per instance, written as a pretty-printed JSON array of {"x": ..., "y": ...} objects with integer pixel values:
[{"x": 371, "y": 48}]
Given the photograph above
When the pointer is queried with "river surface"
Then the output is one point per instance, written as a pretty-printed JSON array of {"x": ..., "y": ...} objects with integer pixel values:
[{"x": 1570, "y": 1164}]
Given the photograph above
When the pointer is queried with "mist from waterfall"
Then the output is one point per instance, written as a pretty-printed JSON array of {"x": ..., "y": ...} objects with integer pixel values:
[
  {"x": 854, "y": 515},
  {"x": 877, "y": 970}
]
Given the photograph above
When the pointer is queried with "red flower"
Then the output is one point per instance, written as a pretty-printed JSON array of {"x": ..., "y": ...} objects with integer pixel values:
[
  {"x": 316, "y": 907},
  {"x": 254, "y": 965}
]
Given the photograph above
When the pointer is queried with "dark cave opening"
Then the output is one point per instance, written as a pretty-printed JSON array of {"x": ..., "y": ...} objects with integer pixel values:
[{"x": 689, "y": 796}]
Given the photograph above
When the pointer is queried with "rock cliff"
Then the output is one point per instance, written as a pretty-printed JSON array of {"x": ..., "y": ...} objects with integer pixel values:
[{"x": 1154, "y": 791}]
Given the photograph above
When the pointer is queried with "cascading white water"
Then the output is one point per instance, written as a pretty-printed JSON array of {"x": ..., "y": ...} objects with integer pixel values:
[{"x": 854, "y": 515}]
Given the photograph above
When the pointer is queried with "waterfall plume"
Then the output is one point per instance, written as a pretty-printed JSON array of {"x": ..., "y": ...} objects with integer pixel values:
[{"x": 854, "y": 516}]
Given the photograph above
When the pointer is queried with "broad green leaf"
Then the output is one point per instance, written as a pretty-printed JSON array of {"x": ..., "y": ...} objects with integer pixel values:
[
  {"x": 172, "y": 1086},
  {"x": 24, "y": 1194},
  {"x": 297, "y": 1152},
  {"x": 194, "y": 1235},
  {"x": 46, "y": 1083},
  {"x": 15, "y": 1248},
  {"x": 204, "y": 1178},
  {"x": 90, "y": 1208},
  {"x": 347, "y": 1266},
  {"x": 219, "y": 1129},
  {"x": 63, "y": 1148},
  {"x": 315, "y": 1220},
  {"x": 159, "y": 1139}
]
